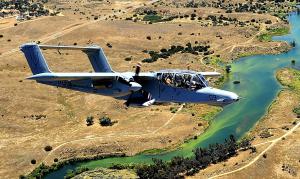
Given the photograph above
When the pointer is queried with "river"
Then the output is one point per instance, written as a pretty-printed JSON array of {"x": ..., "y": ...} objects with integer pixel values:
[{"x": 258, "y": 88}]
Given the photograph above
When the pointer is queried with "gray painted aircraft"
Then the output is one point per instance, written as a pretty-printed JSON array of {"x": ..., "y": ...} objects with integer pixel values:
[{"x": 138, "y": 89}]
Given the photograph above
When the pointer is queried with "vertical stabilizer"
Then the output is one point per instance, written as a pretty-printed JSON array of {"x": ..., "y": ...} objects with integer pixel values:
[
  {"x": 98, "y": 60},
  {"x": 35, "y": 58}
]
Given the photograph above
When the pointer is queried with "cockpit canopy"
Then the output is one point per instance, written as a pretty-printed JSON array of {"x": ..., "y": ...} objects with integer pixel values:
[{"x": 191, "y": 81}]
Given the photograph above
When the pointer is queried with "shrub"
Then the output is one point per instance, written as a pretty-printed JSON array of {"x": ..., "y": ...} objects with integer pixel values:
[
  {"x": 72, "y": 173},
  {"x": 55, "y": 160},
  {"x": 148, "y": 37},
  {"x": 264, "y": 155},
  {"x": 22, "y": 177},
  {"x": 33, "y": 161},
  {"x": 268, "y": 22},
  {"x": 149, "y": 60},
  {"x": 173, "y": 109},
  {"x": 105, "y": 121},
  {"x": 128, "y": 58},
  {"x": 48, "y": 148},
  {"x": 152, "y": 18},
  {"x": 109, "y": 45},
  {"x": 297, "y": 110},
  {"x": 1, "y": 36},
  {"x": 90, "y": 120}
]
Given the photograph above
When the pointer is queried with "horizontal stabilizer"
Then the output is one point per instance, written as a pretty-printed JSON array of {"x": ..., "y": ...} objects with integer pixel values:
[
  {"x": 94, "y": 52},
  {"x": 69, "y": 47}
]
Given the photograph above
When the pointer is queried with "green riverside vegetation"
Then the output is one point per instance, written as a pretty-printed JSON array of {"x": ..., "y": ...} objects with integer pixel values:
[
  {"x": 293, "y": 84},
  {"x": 179, "y": 166},
  {"x": 42, "y": 170},
  {"x": 267, "y": 37}
]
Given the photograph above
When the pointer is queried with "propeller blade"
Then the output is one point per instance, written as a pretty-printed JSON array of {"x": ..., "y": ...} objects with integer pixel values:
[{"x": 138, "y": 69}]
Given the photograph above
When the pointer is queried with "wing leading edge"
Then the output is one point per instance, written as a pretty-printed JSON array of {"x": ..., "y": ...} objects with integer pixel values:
[{"x": 83, "y": 76}]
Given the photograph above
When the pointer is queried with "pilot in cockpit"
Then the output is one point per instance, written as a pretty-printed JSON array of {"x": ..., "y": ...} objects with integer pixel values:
[{"x": 188, "y": 81}]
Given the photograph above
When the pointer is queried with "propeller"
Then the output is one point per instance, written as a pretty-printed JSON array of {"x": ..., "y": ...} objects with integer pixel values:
[
  {"x": 138, "y": 69},
  {"x": 242, "y": 98},
  {"x": 134, "y": 85}
]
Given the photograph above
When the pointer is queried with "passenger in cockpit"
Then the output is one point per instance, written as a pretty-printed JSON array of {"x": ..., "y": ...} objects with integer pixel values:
[
  {"x": 169, "y": 81},
  {"x": 178, "y": 81}
]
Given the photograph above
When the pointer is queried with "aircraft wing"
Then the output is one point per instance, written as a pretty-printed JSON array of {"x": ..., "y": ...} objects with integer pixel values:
[
  {"x": 83, "y": 76},
  {"x": 210, "y": 74},
  {"x": 74, "y": 76}
]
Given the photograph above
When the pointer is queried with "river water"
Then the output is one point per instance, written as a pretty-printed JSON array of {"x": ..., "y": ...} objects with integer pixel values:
[{"x": 258, "y": 88}]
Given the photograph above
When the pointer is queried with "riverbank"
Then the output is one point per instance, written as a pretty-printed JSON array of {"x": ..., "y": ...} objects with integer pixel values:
[{"x": 281, "y": 160}]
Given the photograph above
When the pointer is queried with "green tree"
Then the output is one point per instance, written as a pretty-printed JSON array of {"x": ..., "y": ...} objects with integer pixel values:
[
  {"x": 90, "y": 120},
  {"x": 105, "y": 121}
]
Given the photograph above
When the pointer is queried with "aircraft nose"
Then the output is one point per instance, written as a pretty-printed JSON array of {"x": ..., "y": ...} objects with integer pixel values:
[
  {"x": 134, "y": 86},
  {"x": 228, "y": 97},
  {"x": 234, "y": 97}
]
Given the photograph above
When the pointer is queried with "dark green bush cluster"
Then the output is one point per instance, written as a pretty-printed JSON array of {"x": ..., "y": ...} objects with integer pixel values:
[
  {"x": 39, "y": 172},
  {"x": 297, "y": 110},
  {"x": 106, "y": 121},
  {"x": 48, "y": 148},
  {"x": 42, "y": 170},
  {"x": 128, "y": 59},
  {"x": 78, "y": 170},
  {"x": 33, "y": 161},
  {"x": 153, "y": 18},
  {"x": 33, "y": 8},
  {"x": 166, "y": 53},
  {"x": 254, "y": 7},
  {"x": 180, "y": 166},
  {"x": 173, "y": 109},
  {"x": 90, "y": 120}
]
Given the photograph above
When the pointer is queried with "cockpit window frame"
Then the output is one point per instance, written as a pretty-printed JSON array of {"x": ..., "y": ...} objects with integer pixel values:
[{"x": 169, "y": 79}]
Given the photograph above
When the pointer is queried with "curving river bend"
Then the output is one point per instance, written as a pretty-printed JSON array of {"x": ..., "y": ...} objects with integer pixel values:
[{"x": 259, "y": 87}]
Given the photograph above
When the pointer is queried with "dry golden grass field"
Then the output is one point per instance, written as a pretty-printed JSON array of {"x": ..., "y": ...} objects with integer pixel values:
[{"x": 23, "y": 137}]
